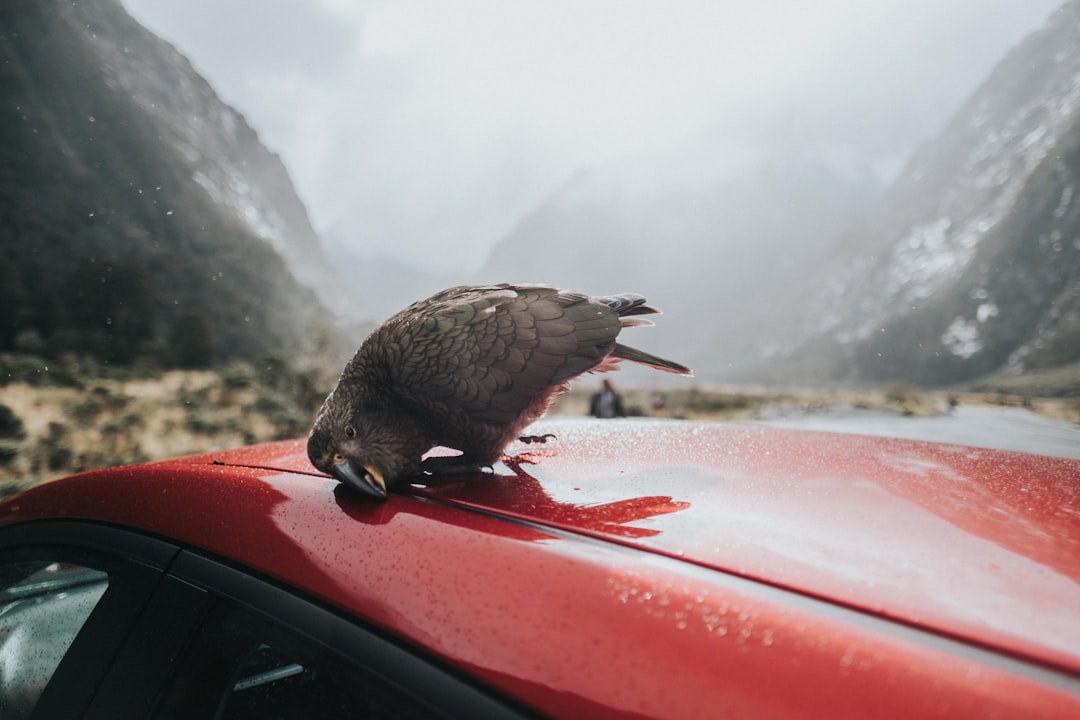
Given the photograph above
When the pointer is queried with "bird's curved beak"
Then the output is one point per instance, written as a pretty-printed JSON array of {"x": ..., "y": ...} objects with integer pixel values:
[{"x": 365, "y": 480}]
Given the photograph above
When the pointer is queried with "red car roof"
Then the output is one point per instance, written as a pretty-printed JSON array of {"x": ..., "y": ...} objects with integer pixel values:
[{"x": 978, "y": 545}]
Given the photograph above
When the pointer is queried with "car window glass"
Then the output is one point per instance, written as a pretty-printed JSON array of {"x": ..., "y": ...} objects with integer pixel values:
[
  {"x": 43, "y": 605},
  {"x": 242, "y": 667}
]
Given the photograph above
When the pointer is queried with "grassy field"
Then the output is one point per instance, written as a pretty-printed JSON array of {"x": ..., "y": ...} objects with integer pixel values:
[
  {"x": 75, "y": 416},
  {"x": 54, "y": 425},
  {"x": 755, "y": 403}
]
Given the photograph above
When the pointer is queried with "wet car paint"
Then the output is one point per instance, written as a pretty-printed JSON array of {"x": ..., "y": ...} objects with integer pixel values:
[
  {"x": 963, "y": 540},
  {"x": 533, "y": 578}
]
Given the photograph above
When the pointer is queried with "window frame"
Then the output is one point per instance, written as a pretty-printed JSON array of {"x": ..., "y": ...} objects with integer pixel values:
[
  {"x": 442, "y": 689},
  {"x": 124, "y": 658},
  {"x": 135, "y": 565}
]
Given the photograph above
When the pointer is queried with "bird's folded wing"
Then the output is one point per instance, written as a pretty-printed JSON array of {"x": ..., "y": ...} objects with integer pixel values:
[{"x": 489, "y": 352}]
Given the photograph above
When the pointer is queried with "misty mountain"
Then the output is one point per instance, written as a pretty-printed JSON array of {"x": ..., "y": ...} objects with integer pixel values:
[
  {"x": 379, "y": 285},
  {"x": 800, "y": 270},
  {"x": 141, "y": 216},
  {"x": 1016, "y": 304},
  {"x": 967, "y": 264},
  {"x": 717, "y": 258}
]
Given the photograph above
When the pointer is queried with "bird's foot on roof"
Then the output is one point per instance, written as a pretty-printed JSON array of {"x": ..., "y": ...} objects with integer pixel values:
[
  {"x": 452, "y": 465},
  {"x": 533, "y": 457}
]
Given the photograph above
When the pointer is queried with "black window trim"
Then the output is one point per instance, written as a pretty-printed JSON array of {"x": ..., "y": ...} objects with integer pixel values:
[
  {"x": 156, "y": 578},
  {"x": 407, "y": 669},
  {"x": 143, "y": 669},
  {"x": 135, "y": 564}
]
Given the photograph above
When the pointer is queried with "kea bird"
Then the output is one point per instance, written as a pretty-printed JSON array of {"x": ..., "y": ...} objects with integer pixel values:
[{"x": 469, "y": 368}]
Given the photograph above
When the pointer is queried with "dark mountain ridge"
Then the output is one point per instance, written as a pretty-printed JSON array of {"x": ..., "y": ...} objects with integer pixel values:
[{"x": 115, "y": 238}]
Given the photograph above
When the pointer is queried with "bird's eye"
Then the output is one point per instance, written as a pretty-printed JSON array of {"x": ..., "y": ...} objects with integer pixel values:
[
  {"x": 350, "y": 432},
  {"x": 338, "y": 458}
]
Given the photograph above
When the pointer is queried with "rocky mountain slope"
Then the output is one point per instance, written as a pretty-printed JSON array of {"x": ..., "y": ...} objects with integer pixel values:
[
  {"x": 967, "y": 263},
  {"x": 224, "y": 153},
  {"x": 140, "y": 217},
  {"x": 1015, "y": 305},
  {"x": 793, "y": 271}
]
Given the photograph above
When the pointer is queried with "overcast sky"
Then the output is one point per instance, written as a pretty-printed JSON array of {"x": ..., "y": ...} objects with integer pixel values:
[{"x": 427, "y": 128}]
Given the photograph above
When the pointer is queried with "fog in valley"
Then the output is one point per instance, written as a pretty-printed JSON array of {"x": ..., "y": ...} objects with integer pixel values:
[
  {"x": 830, "y": 201},
  {"x": 425, "y": 131}
]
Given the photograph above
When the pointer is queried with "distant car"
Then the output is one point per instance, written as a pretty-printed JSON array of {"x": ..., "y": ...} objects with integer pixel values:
[{"x": 624, "y": 569}]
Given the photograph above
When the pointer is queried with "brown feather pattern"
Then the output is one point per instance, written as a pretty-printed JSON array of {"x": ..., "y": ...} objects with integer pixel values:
[{"x": 469, "y": 368}]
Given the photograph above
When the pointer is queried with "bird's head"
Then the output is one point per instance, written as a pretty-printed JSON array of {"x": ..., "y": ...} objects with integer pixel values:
[{"x": 364, "y": 448}]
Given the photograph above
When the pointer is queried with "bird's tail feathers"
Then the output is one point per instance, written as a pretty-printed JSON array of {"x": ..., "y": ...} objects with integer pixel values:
[
  {"x": 628, "y": 304},
  {"x": 628, "y": 353}
]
